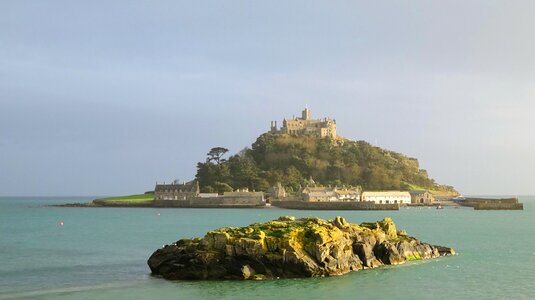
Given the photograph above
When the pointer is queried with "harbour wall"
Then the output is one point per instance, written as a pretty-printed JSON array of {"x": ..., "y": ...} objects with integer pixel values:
[
  {"x": 213, "y": 202},
  {"x": 492, "y": 204},
  {"x": 338, "y": 205}
]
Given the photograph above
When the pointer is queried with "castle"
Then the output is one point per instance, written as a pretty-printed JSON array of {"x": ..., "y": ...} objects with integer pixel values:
[{"x": 325, "y": 127}]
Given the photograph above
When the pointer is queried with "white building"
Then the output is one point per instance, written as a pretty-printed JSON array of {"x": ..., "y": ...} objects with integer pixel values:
[{"x": 387, "y": 197}]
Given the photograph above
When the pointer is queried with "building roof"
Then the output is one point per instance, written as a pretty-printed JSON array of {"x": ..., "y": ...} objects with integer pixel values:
[
  {"x": 385, "y": 193},
  {"x": 322, "y": 194},
  {"x": 310, "y": 190},
  {"x": 313, "y": 189},
  {"x": 185, "y": 187},
  {"x": 418, "y": 192}
]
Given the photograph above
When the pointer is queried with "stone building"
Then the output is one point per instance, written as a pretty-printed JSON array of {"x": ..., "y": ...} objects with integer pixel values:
[
  {"x": 188, "y": 195},
  {"x": 387, "y": 197},
  {"x": 348, "y": 194},
  {"x": 329, "y": 194},
  {"x": 318, "y": 194},
  {"x": 305, "y": 125},
  {"x": 276, "y": 192},
  {"x": 176, "y": 191},
  {"x": 421, "y": 197}
]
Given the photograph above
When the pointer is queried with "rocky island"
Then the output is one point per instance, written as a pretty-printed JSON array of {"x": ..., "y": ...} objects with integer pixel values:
[
  {"x": 288, "y": 248},
  {"x": 304, "y": 165}
]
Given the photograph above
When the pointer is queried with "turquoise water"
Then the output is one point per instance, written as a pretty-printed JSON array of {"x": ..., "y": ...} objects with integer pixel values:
[{"x": 101, "y": 253}]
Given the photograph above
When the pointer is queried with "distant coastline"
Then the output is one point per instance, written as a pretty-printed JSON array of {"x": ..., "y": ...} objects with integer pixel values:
[{"x": 144, "y": 201}]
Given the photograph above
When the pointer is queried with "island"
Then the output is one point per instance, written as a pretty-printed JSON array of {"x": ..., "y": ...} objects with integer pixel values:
[
  {"x": 304, "y": 164},
  {"x": 288, "y": 248}
]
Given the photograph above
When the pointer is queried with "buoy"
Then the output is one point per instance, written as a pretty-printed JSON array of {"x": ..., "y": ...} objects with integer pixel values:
[
  {"x": 158, "y": 214},
  {"x": 61, "y": 223}
]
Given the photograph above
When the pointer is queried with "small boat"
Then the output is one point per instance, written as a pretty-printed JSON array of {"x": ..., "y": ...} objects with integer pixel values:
[{"x": 440, "y": 207}]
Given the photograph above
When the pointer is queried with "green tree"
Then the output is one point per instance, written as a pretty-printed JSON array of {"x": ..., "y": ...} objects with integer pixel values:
[
  {"x": 216, "y": 154},
  {"x": 209, "y": 173},
  {"x": 243, "y": 171}
]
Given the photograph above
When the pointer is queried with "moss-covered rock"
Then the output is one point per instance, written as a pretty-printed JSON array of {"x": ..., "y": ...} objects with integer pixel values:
[{"x": 290, "y": 247}]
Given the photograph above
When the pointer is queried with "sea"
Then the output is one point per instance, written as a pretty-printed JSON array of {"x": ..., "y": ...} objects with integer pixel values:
[{"x": 101, "y": 253}]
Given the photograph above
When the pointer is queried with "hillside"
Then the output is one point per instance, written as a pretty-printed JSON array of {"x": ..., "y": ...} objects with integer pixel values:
[{"x": 295, "y": 160}]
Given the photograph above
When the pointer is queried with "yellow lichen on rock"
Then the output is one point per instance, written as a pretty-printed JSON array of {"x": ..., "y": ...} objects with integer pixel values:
[{"x": 290, "y": 247}]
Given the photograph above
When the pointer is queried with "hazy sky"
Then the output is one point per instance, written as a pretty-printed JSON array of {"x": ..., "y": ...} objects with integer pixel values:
[{"x": 107, "y": 97}]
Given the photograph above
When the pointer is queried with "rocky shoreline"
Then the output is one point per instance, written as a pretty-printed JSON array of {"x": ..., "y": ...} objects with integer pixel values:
[{"x": 288, "y": 248}]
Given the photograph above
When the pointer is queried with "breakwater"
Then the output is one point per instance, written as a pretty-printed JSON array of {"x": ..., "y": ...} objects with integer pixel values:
[{"x": 492, "y": 204}]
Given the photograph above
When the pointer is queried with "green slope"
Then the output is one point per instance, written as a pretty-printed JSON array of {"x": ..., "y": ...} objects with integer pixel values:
[{"x": 293, "y": 160}]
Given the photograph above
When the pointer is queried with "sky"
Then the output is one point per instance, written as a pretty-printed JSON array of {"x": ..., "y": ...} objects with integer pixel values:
[{"x": 108, "y": 97}]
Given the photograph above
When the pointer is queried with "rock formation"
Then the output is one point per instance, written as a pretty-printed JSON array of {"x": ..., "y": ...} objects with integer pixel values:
[{"x": 289, "y": 247}]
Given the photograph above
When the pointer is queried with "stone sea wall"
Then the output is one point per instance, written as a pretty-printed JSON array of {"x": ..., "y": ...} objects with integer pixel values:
[
  {"x": 213, "y": 202},
  {"x": 350, "y": 205},
  {"x": 492, "y": 204}
]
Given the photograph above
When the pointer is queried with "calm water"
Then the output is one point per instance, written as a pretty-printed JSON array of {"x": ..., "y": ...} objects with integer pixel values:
[{"x": 101, "y": 253}]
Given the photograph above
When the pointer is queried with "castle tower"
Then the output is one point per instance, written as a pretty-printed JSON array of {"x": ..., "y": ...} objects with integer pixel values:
[
  {"x": 274, "y": 127},
  {"x": 306, "y": 114}
]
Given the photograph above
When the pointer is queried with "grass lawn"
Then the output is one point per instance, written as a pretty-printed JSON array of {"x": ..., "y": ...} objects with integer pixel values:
[{"x": 140, "y": 198}]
